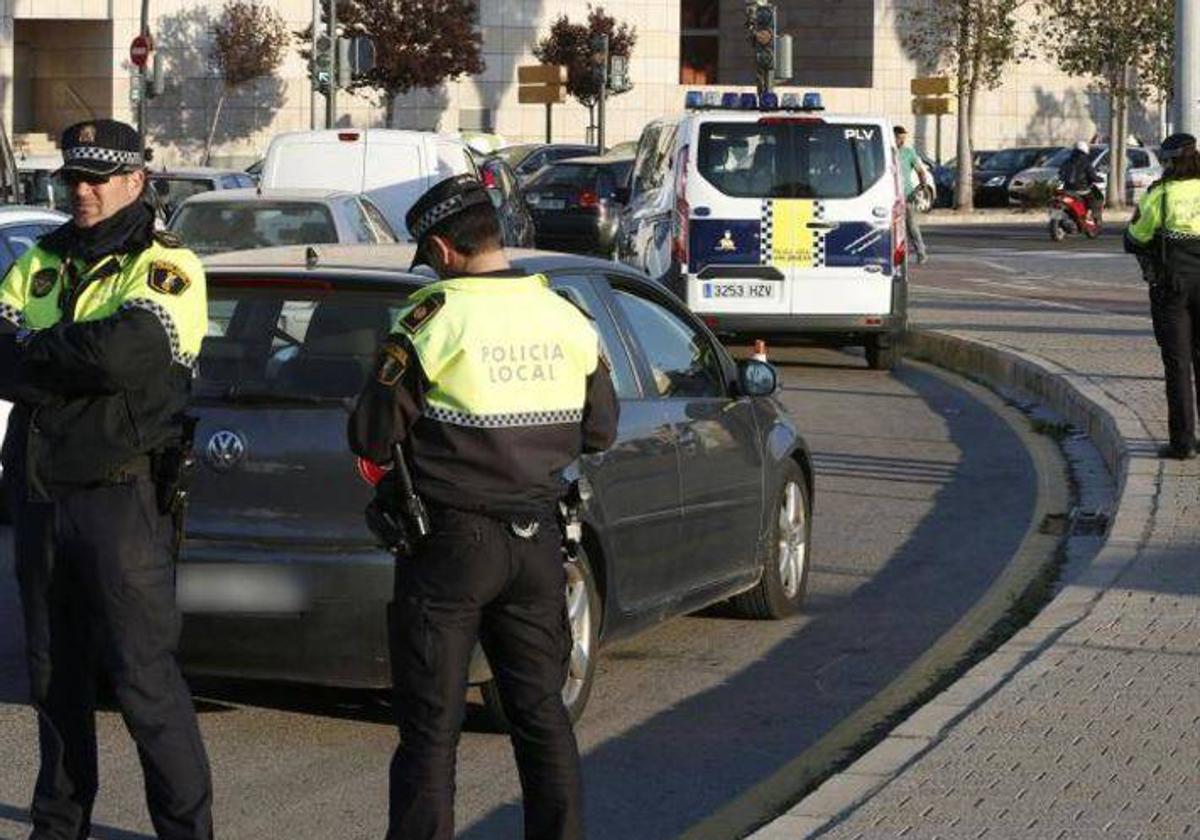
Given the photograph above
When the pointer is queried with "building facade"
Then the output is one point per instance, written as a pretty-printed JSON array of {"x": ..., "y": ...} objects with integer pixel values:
[{"x": 66, "y": 60}]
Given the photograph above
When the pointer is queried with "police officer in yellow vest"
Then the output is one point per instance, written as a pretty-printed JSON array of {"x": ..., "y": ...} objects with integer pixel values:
[
  {"x": 495, "y": 384},
  {"x": 1165, "y": 235},
  {"x": 100, "y": 324}
]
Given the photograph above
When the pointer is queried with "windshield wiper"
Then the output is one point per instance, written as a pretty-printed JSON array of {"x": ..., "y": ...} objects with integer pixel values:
[{"x": 242, "y": 395}]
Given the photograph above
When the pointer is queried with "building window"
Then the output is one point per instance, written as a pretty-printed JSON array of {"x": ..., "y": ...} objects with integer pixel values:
[{"x": 699, "y": 42}]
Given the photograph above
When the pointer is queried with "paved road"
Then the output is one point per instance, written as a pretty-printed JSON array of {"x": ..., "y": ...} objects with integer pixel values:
[
  {"x": 1020, "y": 261},
  {"x": 923, "y": 494}
]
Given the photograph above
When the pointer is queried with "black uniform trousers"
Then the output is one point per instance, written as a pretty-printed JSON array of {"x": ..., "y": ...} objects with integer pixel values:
[
  {"x": 473, "y": 578},
  {"x": 1175, "y": 310},
  {"x": 97, "y": 584}
]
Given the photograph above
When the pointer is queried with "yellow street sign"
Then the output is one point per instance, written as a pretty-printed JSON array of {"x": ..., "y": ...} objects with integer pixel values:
[
  {"x": 541, "y": 74},
  {"x": 541, "y": 94},
  {"x": 931, "y": 105},
  {"x": 932, "y": 86}
]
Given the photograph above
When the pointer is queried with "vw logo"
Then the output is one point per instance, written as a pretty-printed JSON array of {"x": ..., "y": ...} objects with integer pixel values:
[{"x": 225, "y": 449}]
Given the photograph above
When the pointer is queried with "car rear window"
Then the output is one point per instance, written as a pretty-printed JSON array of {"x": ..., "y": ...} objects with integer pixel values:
[
  {"x": 278, "y": 342},
  {"x": 565, "y": 174},
  {"x": 791, "y": 158},
  {"x": 208, "y": 228},
  {"x": 173, "y": 191}
]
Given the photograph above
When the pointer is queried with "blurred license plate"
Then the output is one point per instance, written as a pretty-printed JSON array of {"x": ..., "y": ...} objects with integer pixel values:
[
  {"x": 548, "y": 203},
  {"x": 742, "y": 289}
]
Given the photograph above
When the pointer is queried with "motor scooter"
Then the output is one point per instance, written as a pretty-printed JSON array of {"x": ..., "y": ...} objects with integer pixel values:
[{"x": 1069, "y": 213}]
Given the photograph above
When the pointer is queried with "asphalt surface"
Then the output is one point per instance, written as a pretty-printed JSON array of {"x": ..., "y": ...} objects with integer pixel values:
[{"x": 923, "y": 494}]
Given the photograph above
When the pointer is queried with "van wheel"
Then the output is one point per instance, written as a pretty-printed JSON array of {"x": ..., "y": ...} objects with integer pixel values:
[
  {"x": 784, "y": 581},
  {"x": 882, "y": 353},
  {"x": 583, "y": 618},
  {"x": 1057, "y": 233}
]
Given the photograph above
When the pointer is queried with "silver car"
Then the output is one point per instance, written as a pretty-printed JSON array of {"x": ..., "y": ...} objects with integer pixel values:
[
  {"x": 1142, "y": 168},
  {"x": 245, "y": 219}
]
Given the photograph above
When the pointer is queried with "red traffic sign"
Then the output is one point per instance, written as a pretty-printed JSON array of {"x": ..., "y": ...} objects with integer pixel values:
[{"x": 139, "y": 50}]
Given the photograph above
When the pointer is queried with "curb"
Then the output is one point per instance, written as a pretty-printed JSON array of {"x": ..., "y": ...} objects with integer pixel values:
[
  {"x": 1117, "y": 433},
  {"x": 949, "y": 218}
]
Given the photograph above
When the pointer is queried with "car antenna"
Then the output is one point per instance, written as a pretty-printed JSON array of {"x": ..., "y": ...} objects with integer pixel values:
[{"x": 311, "y": 256}]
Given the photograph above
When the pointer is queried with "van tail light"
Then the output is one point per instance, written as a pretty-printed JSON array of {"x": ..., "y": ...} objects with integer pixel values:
[
  {"x": 588, "y": 199},
  {"x": 348, "y": 136},
  {"x": 679, "y": 240}
]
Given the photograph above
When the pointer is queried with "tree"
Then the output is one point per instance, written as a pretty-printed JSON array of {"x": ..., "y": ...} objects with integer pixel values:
[
  {"x": 1125, "y": 47},
  {"x": 570, "y": 45},
  {"x": 418, "y": 43},
  {"x": 248, "y": 43},
  {"x": 975, "y": 40}
]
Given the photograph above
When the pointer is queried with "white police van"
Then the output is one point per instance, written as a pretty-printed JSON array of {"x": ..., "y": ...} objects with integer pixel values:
[{"x": 774, "y": 220}]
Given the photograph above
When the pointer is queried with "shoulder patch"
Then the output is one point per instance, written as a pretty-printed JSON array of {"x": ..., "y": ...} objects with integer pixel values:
[
  {"x": 423, "y": 312},
  {"x": 43, "y": 282},
  {"x": 168, "y": 239},
  {"x": 393, "y": 361},
  {"x": 168, "y": 279}
]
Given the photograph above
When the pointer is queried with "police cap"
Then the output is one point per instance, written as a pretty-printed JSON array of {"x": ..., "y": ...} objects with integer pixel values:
[
  {"x": 1177, "y": 145},
  {"x": 101, "y": 147},
  {"x": 442, "y": 201}
]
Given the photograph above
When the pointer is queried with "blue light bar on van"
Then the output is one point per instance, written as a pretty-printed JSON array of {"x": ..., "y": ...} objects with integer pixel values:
[
  {"x": 729, "y": 100},
  {"x": 812, "y": 101},
  {"x": 748, "y": 101},
  {"x": 769, "y": 101},
  {"x": 693, "y": 99}
]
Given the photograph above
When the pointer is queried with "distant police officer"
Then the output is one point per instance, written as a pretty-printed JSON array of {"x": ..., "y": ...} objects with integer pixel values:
[
  {"x": 1165, "y": 234},
  {"x": 495, "y": 384},
  {"x": 101, "y": 322}
]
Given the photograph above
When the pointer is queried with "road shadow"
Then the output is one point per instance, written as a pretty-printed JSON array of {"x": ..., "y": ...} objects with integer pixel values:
[
  {"x": 99, "y": 832},
  {"x": 681, "y": 765}
]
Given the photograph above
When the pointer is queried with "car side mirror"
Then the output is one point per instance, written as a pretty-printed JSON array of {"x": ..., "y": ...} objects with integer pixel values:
[{"x": 757, "y": 379}]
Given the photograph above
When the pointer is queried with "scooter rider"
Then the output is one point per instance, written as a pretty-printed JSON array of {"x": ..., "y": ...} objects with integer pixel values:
[{"x": 1079, "y": 177}]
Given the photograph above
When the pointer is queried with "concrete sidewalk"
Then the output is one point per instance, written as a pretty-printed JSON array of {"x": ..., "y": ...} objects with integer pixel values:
[{"x": 1086, "y": 723}]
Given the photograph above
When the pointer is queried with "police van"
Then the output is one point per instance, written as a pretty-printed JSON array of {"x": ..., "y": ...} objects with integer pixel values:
[{"x": 774, "y": 220}]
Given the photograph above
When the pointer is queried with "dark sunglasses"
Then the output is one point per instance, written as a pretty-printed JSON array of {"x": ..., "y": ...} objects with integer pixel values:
[{"x": 74, "y": 179}]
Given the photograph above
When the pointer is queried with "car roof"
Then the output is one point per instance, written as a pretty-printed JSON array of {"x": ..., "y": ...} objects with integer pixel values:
[
  {"x": 14, "y": 213},
  {"x": 252, "y": 195},
  {"x": 28, "y": 162},
  {"x": 389, "y": 259}
]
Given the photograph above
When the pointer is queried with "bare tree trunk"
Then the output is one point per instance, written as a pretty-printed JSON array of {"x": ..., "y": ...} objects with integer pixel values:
[
  {"x": 212, "y": 129},
  {"x": 1117, "y": 150},
  {"x": 964, "y": 189},
  {"x": 1113, "y": 190},
  {"x": 389, "y": 108}
]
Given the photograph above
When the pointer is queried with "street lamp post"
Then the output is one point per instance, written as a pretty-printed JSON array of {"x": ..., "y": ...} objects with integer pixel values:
[
  {"x": 1187, "y": 66},
  {"x": 141, "y": 79}
]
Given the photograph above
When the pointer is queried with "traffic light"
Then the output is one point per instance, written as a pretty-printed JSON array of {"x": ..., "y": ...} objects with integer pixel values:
[
  {"x": 618, "y": 74},
  {"x": 599, "y": 47},
  {"x": 761, "y": 24},
  {"x": 320, "y": 64}
]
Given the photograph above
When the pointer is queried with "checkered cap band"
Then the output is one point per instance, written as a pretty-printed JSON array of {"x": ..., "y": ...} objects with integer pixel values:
[
  {"x": 504, "y": 421},
  {"x": 96, "y": 153},
  {"x": 168, "y": 324},
  {"x": 436, "y": 213},
  {"x": 10, "y": 313}
]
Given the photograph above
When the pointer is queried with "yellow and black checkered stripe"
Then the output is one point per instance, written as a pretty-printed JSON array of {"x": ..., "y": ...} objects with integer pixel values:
[{"x": 786, "y": 237}]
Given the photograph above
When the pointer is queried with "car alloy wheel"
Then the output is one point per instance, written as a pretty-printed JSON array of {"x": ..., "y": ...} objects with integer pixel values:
[
  {"x": 793, "y": 540},
  {"x": 579, "y": 618},
  {"x": 780, "y": 589}
]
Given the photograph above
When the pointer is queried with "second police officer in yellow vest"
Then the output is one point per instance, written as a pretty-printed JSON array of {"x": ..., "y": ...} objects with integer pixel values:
[
  {"x": 495, "y": 384},
  {"x": 100, "y": 325},
  {"x": 1165, "y": 235}
]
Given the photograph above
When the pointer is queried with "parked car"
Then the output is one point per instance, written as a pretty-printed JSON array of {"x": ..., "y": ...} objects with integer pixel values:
[
  {"x": 234, "y": 220},
  {"x": 173, "y": 187},
  {"x": 707, "y": 494},
  {"x": 20, "y": 228},
  {"x": 1142, "y": 168},
  {"x": 946, "y": 176},
  {"x": 509, "y": 200},
  {"x": 992, "y": 177},
  {"x": 576, "y": 204},
  {"x": 528, "y": 159},
  {"x": 391, "y": 167}
]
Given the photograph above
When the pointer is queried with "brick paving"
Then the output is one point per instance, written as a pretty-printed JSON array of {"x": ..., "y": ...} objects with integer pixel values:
[{"x": 1085, "y": 724}]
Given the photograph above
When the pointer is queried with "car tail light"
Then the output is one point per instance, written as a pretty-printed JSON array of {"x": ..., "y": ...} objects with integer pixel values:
[
  {"x": 588, "y": 199},
  {"x": 679, "y": 241},
  {"x": 348, "y": 136},
  {"x": 488, "y": 177}
]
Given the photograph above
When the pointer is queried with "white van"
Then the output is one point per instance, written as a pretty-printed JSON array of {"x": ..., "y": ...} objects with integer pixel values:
[
  {"x": 391, "y": 166},
  {"x": 774, "y": 220}
]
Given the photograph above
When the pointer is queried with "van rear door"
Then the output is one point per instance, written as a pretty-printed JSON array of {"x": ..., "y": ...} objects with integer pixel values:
[
  {"x": 321, "y": 160},
  {"x": 396, "y": 172},
  {"x": 811, "y": 200}
]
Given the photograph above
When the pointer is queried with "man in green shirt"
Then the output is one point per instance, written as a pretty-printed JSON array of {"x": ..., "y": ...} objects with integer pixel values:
[{"x": 912, "y": 175}]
